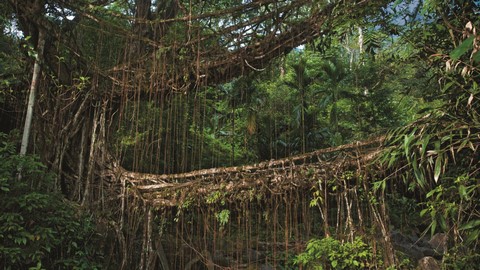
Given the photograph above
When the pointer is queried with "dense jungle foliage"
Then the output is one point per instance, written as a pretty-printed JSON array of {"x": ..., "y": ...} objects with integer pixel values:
[
  {"x": 39, "y": 228},
  {"x": 407, "y": 71}
]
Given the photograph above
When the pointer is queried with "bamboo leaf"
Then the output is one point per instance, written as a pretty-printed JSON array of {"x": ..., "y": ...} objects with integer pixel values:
[
  {"x": 438, "y": 167},
  {"x": 430, "y": 193},
  {"x": 470, "y": 99},
  {"x": 452, "y": 152},
  {"x": 425, "y": 142},
  {"x": 471, "y": 146},
  {"x": 476, "y": 57},
  {"x": 447, "y": 138},
  {"x": 418, "y": 173},
  {"x": 473, "y": 236},
  {"x": 463, "y": 192},
  {"x": 392, "y": 160},
  {"x": 434, "y": 226},
  {"x": 447, "y": 86},
  {"x": 470, "y": 225},
  {"x": 437, "y": 145},
  {"x": 442, "y": 222},
  {"x": 466, "y": 45},
  {"x": 406, "y": 144},
  {"x": 462, "y": 145},
  {"x": 430, "y": 160}
]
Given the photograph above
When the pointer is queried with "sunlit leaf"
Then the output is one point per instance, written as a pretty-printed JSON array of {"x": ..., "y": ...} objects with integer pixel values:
[
  {"x": 431, "y": 192},
  {"x": 470, "y": 99},
  {"x": 438, "y": 168},
  {"x": 471, "y": 146}
]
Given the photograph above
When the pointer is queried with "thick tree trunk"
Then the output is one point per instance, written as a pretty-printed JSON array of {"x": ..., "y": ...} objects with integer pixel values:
[{"x": 33, "y": 90}]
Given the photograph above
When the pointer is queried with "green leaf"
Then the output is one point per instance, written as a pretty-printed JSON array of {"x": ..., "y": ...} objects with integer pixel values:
[
  {"x": 418, "y": 173},
  {"x": 463, "y": 192},
  {"x": 423, "y": 212},
  {"x": 447, "y": 86},
  {"x": 392, "y": 160},
  {"x": 463, "y": 144},
  {"x": 437, "y": 144},
  {"x": 443, "y": 222},
  {"x": 425, "y": 142},
  {"x": 476, "y": 57},
  {"x": 470, "y": 225},
  {"x": 473, "y": 236},
  {"x": 461, "y": 49},
  {"x": 406, "y": 144},
  {"x": 447, "y": 138},
  {"x": 431, "y": 192}
]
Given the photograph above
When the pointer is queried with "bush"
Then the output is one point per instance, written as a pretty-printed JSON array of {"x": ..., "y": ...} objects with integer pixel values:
[
  {"x": 38, "y": 228},
  {"x": 329, "y": 253}
]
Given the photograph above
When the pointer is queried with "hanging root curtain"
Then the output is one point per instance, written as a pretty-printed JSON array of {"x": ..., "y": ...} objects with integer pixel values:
[{"x": 255, "y": 216}]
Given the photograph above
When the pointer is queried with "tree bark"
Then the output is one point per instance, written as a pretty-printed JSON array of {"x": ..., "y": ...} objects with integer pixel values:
[{"x": 33, "y": 90}]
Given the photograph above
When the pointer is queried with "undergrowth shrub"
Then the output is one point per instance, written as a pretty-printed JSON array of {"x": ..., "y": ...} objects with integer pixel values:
[
  {"x": 38, "y": 228},
  {"x": 329, "y": 253}
]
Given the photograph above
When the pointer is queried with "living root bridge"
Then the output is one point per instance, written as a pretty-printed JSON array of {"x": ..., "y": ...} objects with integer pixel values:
[
  {"x": 251, "y": 216},
  {"x": 243, "y": 182}
]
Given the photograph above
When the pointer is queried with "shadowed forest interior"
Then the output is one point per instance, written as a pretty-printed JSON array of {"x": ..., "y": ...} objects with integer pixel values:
[{"x": 171, "y": 134}]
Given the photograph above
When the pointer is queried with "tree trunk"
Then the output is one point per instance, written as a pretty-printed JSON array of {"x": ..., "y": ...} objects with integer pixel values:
[
  {"x": 360, "y": 41},
  {"x": 33, "y": 90}
]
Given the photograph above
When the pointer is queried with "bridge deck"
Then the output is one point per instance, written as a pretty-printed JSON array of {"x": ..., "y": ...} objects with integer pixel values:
[{"x": 273, "y": 176}]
